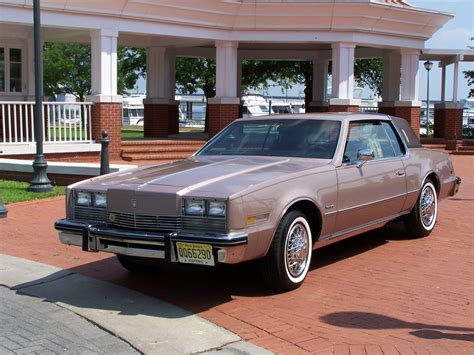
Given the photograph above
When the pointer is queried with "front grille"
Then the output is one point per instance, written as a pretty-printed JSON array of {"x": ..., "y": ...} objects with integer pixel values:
[
  {"x": 90, "y": 214},
  {"x": 166, "y": 223}
]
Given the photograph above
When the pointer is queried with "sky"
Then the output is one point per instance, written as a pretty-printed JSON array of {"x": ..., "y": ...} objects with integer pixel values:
[{"x": 455, "y": 34}]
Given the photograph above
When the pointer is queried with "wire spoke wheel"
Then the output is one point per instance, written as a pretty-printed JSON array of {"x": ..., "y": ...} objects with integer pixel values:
[
  {"x": 427, "y": 206},
  {"x": 297, "y": 249}
]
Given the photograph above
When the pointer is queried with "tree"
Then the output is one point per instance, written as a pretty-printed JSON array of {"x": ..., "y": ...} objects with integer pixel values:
[
  {"x": 131, "y": 65},
  {"x": 197, "y": 73},
  {"x": 67, "y": 69},
  {"x": 369, "y": 72},
  {"x": 469, "y": 75}
]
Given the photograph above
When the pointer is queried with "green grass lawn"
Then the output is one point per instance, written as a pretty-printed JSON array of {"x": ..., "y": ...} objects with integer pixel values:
[{"x": 14, "y": 191}]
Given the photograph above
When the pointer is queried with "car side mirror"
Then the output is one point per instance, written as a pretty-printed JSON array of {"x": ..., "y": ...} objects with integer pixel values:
[{"x": 364, "y": 155}]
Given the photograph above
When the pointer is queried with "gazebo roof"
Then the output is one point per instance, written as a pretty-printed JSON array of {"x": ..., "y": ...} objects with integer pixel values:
[{"x": 390, "y": 23}]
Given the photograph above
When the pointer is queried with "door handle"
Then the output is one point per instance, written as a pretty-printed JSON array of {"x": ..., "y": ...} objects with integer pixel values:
[{"x": 400, "y": 173}]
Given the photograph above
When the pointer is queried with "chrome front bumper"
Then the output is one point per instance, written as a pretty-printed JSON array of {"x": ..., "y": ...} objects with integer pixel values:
[
  {"x": 227, "y": 248},
  {"x": 455, "y": 188}
]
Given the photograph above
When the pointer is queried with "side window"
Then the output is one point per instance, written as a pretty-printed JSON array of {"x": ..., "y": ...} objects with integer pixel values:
[
  {"x": 394, "y": 139},
  {"x": 367, "y": 135},
  {"x": 2, "y": 69},
  {"x": 15, "y": 70}
]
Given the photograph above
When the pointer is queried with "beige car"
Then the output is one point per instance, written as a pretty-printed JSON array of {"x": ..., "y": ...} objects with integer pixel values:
[{"x": 272, "y": 188}]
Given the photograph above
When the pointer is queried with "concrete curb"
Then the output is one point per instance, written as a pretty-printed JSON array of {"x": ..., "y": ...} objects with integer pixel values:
[{"x": 148, "y": 324}]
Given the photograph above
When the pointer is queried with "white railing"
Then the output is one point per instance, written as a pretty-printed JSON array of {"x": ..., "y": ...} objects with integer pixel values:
[
  {"x": 371, "y": 109},
  {"x": 64, "y": 122}
]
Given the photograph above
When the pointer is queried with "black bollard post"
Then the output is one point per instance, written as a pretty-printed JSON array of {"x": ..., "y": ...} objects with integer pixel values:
[
  {"x": 104, "y": 153},
  {"x": 3, "y": 210}
]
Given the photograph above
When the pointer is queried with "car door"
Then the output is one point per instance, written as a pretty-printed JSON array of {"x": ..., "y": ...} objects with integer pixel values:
[{"x": 376, "y": 189}]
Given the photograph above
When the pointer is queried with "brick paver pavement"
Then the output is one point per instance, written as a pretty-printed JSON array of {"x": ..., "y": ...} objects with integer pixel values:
[
  {"x": 29, "y": 325},
  {"x": 377, "y": 293}
]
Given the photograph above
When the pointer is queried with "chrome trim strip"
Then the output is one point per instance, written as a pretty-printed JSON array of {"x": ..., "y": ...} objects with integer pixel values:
[
  {"x": 372, "y": 202},
  {"x": 347, "y": 233}
]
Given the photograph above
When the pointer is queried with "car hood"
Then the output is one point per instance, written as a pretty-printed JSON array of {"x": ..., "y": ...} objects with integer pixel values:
[{"x": 223, "y": 176}]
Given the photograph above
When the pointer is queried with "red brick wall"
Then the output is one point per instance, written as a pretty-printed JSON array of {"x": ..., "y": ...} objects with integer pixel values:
[
  {"x": 89, "y": 157},
  {"x": 56, "y": 179},
  {"x": 156, "y": 120},
  {"x": 448, "y": 123},
  {"x": 221, "y": 115},
  {"x": 108, "y": 117},
  {"x": 343, "y": 108}
]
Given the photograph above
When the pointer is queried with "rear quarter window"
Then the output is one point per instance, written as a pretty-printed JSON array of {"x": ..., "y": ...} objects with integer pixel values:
[{"x": 406, "y": 132}]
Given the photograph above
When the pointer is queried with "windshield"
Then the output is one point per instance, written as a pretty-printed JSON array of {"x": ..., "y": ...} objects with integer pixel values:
[{"x": 272, "y": 137}]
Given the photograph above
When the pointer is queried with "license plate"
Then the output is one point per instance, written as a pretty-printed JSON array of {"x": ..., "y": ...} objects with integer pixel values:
[{"x": 191, "y": 253}]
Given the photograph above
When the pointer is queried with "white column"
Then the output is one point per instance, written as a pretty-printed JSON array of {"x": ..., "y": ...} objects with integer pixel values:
[
  {"x": 391, "y": 77},
  {"x": 409, "y": 74},
  {"x": 226, "y": 69},
  {"x": 343, "y": 74},
  {"x": 160, "y": 73},
  {"x": 320, "y": 76},
  {"x": 455, "y": 81},
  {"x": 171, "y": 60},
  {"x": 155, "y": 72},
  {"x": 443, "y": 83},
  {"x": 104, "y": 65},
  {"x": 239, "y": 76}
]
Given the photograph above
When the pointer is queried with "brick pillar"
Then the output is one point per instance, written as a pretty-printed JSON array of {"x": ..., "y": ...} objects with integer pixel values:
[
  {"x": 221, "y": 115},
  {"x": 173, "y": 118},
  {"x": 343, "y": 108},
  {"x": 402, "y": 109},
  {"x": 317, "y": 106},
  {"x": 448, "y": 121},
  {"x": 343, "y": 105},
  {"x": 107, "y": 116},
  {"x": 156, "y": 118}
]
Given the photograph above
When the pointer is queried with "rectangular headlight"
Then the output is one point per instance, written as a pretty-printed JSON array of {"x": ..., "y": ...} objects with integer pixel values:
[
  {"x": 194, "y": 207},
  {"x": 100, "y": 199},
  {"x": 216, "y": 208},
  {"x": 83, "y": 198}
]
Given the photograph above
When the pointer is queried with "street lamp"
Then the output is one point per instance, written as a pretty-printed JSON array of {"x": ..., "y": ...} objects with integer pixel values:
[
  {"x": 40, "y": 181},
  {"x": 428, "y": 65}
]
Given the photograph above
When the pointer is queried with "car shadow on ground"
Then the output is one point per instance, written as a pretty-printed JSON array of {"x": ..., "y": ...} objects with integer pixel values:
[
  {"x": 373, "y": 321},
  {"x": 198, "y": 289}
]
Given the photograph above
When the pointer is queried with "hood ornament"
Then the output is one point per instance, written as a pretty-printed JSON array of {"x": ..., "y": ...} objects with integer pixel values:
[{"x": 134, "y": 203}]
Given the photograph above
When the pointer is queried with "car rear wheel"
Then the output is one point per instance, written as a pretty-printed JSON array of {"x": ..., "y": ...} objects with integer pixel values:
[
  {"x": 287, "y": 262},
  {"x": 422, "y": 219}
]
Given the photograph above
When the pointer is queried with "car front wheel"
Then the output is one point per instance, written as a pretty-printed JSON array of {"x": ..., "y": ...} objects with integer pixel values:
[
  {"x": 287, "y": 262},
  {"x": 422, "y": 219}
]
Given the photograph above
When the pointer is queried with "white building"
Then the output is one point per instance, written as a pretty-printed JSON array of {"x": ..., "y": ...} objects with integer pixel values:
[{"x": 230, "y": 31}]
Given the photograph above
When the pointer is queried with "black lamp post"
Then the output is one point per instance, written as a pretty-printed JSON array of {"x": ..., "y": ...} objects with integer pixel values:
[
  {"x": 40, "y": 181},
  {"x": 428, "y": 65}
]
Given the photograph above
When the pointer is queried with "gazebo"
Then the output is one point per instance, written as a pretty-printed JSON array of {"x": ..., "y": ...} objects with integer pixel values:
[{"x": 231, "y": 31}]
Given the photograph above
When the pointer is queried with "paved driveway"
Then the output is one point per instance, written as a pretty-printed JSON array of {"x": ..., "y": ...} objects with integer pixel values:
[{"x": 372, "y": 294}]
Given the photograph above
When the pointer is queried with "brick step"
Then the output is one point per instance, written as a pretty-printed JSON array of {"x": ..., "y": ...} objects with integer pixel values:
[
  {"x": 155, "y": 157},
  {"x": 467, "y": 148},
  {"x": 161, "y": 143},
  {"x": 462, "y": 152},
  {"x": 435, "y": 146},
  {"x": 468, "y": 143},
  {"x": 161, "y": 149}
]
